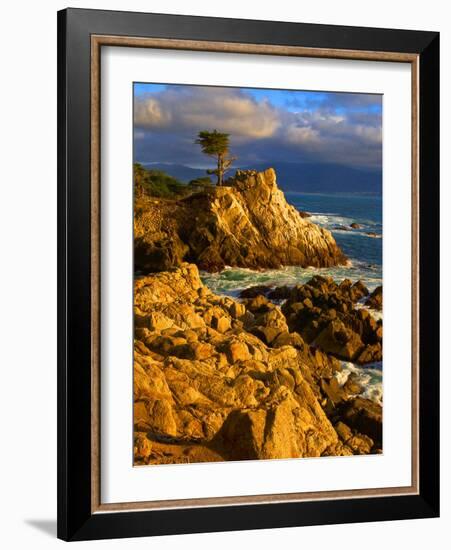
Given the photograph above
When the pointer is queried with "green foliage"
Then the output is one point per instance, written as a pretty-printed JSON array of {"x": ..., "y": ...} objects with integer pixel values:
[
  {"x": 201, "y": 182},
  {"x": 155, "y": 183},
  {"x": 216, "y": 144},
  {"x": 213, "y": 143}
]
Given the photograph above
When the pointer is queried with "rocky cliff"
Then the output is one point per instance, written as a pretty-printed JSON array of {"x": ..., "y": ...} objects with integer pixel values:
[
  {"x": 218, "y": 379},
  {"x": 247, "y": 223}
]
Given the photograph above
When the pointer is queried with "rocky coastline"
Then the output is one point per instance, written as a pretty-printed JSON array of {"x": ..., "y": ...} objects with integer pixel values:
[
  {"x": 257, "y": 378},
  {"x": 245, "y": 223},
  {"x": 261, "y": 376}
]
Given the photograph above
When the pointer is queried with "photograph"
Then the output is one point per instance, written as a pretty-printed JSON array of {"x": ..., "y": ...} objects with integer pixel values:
[{"x": 258, "y": 274}]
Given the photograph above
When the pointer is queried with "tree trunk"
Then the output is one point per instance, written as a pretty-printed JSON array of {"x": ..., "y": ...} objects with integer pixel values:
[{"x": 220, "y": 170}]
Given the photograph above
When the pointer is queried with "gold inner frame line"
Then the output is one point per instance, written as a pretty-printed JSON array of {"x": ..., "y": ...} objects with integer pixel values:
[{"x": 97, "y": 41}]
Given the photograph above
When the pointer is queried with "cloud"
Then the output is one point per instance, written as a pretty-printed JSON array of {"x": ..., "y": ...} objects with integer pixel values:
[
  {"x": 150, "y": 113},
  {"x": 192, "y": 108},
  {"x": 343, "y": 128},
  {"x": 302, "y": 135}
]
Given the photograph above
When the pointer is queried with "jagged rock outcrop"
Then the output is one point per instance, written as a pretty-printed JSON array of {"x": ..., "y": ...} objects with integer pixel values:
[
  {"x": 374, "y": 300},
  {"x": 246, "y": 223},
  {"x": 327, "y": 315},
  {"x": 216, "y": 379}
]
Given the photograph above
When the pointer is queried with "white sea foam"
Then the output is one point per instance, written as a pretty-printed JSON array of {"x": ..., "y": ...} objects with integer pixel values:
[
  {"x": 377, "y": 315},
  {"x": 232, "y": 281},
  {"x": 341, "y": 224},
  {"x": 368, "y": 376},
  {"x": 330, "y": 219}
]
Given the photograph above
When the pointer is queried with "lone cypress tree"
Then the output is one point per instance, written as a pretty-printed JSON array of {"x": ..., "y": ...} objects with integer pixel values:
[{"x": 216, "y": 144}]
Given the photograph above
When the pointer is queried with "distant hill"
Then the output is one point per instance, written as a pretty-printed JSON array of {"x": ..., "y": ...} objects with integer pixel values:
[
  {"x": 183, "y": 173},
  {"x": 306, "y": 177},
  {"x": 325, "y": 178}
]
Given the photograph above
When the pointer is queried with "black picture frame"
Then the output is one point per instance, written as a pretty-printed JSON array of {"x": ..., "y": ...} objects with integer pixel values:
[{"x": 76, "y": 520}]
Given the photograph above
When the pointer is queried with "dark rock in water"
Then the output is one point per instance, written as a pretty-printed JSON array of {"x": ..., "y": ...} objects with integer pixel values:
[
  {"x": 304, "y": 214},
  {"x": 374, "y": 301},
  {"x": 255, "y": 290},
  {"x": 325, "y": 314},
  {"x": 355, "y": 225},
  {"x": 246, "y": 223},
  {"x": 358, "y": 291},
  {"x": 341, "y": 228},
  {"x": 279, "y": 293}
]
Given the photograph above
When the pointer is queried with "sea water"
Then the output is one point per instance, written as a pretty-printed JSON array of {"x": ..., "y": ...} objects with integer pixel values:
[{"x": 334, "y": 212}]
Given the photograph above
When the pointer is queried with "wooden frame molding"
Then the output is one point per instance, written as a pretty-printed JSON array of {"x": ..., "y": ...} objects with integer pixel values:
[
  {"x": 259, "y": 49},
  {"x": 97, "y": 41}
]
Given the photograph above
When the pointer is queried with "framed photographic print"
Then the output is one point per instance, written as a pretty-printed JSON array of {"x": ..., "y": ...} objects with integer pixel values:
[{"x": 248, "y": 274}]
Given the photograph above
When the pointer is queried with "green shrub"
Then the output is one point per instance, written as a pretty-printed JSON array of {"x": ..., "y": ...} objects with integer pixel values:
[
  {"x": 201, "y": 182},
  {"x": 156, "y": 183}
]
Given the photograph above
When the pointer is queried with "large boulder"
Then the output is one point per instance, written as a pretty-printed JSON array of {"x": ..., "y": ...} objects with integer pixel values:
[
  {"x": 287, "y": 426},
  {"x": 246, "y": 223},
  {"x": 340, "y": 341},
  {"x": 374, "y": 300}
]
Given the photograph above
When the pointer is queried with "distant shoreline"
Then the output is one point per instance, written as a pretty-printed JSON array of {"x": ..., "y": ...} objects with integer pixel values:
[
  {"x": 302, "y": 177},
  {"x": 336, "y": 193}
]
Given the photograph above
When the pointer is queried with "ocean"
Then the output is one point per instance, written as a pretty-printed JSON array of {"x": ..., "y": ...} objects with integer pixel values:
[{"x": 334, "y": 212}]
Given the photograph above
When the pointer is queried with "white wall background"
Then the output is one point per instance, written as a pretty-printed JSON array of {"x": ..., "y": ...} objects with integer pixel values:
[{"x": 28, "y": 270}]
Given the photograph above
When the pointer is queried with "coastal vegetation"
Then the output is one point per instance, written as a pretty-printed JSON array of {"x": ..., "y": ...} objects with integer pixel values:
[
  {"x": 155, "y": 183},
  {"x": 216, "y": 144}
]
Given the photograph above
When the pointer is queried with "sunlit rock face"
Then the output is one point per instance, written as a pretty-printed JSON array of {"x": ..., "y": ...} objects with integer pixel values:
[
  {"x": 245, "y": 223},
  {"x": 216, "y": 379}
]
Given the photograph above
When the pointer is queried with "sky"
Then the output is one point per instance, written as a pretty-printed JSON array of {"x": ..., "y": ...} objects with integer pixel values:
[{"x": 265, "y": 126}]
